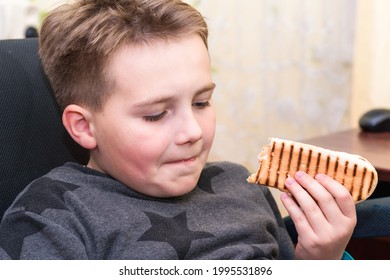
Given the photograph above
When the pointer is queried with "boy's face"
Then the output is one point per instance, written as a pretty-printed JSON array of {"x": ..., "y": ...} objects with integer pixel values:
[{"x": 155, "y": 132}]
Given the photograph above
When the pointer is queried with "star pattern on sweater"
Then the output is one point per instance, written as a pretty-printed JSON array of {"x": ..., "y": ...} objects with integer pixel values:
[
  {"x": 34, "y": 202},
  {"x": 208, "y": 174},
  {"x": 173, "y": 231}
]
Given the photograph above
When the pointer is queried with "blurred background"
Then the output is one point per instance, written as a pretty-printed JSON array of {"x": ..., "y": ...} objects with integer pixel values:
[{"x": 292, "y": 69}]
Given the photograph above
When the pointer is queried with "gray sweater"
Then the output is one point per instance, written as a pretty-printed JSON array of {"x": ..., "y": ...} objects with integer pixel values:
[{"x": 75, "y": 212}]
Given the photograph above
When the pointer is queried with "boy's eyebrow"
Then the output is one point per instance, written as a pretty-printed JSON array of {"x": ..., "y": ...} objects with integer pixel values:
[
  {"x": 163, "y": 99},
  {"x": 206, "y": 88}
]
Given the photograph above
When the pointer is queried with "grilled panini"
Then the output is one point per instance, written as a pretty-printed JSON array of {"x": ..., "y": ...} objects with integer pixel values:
[{"x": 283, "y": 158}]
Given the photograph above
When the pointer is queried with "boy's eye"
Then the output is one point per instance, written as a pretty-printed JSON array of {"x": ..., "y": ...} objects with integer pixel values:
[
  {"x": 155, "y": 118},
  {"x": 201, "y": 105}
]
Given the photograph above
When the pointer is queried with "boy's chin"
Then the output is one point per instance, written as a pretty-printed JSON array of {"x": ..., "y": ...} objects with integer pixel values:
[
  {"x": 177, "y": 183},
  {"x": 175, "y": 188},
  {"x": 169, "y": 192}
]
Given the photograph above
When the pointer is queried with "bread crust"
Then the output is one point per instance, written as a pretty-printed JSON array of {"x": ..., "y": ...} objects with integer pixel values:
[{"x": 283, "y": 158}]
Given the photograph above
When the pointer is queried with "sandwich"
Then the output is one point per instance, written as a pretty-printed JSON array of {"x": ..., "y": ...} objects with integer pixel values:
[{"x": 283, "y": 158}]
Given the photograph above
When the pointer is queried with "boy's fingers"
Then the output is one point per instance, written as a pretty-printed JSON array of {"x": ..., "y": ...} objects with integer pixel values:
[
  {"x": 341, "y": 195},
  {"x": 300, "y": 222},
  {"x": 307, "y": 204},
  {"x": 314, "y": 188},
  {"x": 333, "y": 198},
  {"x": 323, "y": 198}
]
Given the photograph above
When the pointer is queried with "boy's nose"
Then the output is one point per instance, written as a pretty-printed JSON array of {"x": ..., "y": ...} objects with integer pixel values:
[{"x": 188, "y": 130}]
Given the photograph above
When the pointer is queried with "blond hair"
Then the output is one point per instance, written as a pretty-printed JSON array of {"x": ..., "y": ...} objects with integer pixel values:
[{"x": 77, "y": 41}]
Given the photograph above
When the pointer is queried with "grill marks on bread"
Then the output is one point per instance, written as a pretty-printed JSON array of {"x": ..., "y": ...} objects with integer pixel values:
[{"x": 282, "y": 158}]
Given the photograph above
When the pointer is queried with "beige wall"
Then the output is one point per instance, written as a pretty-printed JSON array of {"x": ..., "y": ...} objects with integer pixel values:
[
  {"x": 282, "y": 68},
  {"x": 371, "y": 75},
  {"x": 17, "y": 15}
]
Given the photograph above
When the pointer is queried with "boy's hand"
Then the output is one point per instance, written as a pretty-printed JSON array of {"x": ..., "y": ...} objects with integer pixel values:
[{"x": 324, "y": 215}]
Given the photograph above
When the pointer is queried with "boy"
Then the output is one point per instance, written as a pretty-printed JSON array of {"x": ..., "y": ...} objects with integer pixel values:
[{"x": 133, "y": 78}]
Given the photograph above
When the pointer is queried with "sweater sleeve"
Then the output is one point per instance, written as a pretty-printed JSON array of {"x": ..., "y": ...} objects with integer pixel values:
[{"x": 27, "y": 235}]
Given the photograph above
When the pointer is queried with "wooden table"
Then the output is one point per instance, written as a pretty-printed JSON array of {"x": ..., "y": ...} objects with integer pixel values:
[{"x": 375, "y": 147}]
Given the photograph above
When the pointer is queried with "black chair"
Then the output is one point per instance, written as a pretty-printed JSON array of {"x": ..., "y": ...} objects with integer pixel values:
[{"x": 32, "y": 138}]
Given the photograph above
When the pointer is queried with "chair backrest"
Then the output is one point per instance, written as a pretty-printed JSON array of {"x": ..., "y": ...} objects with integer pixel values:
[{"x": 32, "y": 137}]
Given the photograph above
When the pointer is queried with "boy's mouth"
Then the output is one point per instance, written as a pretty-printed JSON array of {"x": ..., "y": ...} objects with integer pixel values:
[{"x": 186, "y": 160}]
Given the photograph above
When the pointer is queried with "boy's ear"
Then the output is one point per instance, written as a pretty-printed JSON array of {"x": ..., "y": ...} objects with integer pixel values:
[{"x": 77, "y": 122}]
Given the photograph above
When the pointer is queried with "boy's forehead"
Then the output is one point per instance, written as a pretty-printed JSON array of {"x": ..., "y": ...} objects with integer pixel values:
[
  {"x": 140, "y": 54},
  {"x": 160, "y": 65},
  {"x": 137, "y": 47}
]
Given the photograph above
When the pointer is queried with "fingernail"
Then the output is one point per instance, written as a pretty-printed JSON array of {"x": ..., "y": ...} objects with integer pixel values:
[
  {"x": 320, "y": 176},
  {"x": 284, "y": 195},
  {"x": 299, "y": 174},
  {"x": 289, "y": 181}
]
